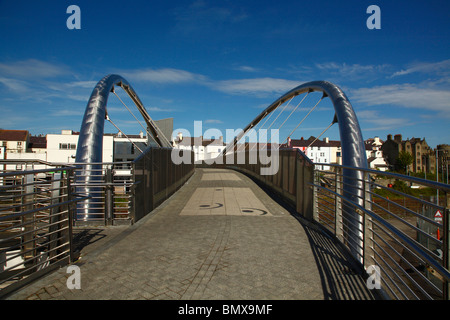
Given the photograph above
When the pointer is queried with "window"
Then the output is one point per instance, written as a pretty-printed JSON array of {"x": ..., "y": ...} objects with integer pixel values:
[{"x": 67, "y": 146}]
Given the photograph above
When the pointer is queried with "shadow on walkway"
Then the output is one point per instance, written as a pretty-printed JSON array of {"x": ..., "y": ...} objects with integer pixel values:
[{"x": 342, "y": 277}]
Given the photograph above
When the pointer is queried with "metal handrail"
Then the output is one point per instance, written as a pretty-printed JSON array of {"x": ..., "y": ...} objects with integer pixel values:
[
  {"x": 429, "y": 183},
  {"x": 444, "y": 272},
  {"x": 368, "y": 205}
]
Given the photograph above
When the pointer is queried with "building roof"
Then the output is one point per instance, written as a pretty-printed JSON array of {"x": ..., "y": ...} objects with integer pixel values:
[
  {"x": 191, "y": 141},
  {"x": 318, "y": 143},
  {"x": 13, "y": 135},
  {"x": 38, "y": 142}
]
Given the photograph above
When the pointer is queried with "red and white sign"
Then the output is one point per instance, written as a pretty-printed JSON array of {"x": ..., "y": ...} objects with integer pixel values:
[{"x": 438, "y": 216}]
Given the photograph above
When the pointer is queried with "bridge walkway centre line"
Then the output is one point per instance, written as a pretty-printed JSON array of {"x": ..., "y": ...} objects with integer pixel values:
[{"x": 219, "y": 237}]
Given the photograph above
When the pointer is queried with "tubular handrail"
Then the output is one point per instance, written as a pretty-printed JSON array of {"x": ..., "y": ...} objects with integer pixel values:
[
  {"x": 429, "y": 183},
  {"x": 444, "y": 272},
  {"x": 36, "y": 171}
]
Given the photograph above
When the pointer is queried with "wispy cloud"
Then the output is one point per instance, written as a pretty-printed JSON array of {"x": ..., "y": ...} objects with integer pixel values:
[
  {"x": 257, "y": 86},
  {"x": 163, "y": 76},
  {"x": 405, "y": 95},
  {"x": 246, "y": 69},
  {"x": 14, "y": 85},
  {"x": 32, "y": 69},
  {"x": 380, "y": 121},
  {"x": 439, "y": 68},
  {"x": 346, "y": 71},
  {"x": 213, "y": 121}
]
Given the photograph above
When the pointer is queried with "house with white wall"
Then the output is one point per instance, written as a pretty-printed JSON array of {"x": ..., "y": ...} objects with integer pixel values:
[
  {"x": 62, "y": 148},
  {"x": 319, "y": 151},
  {"x": 204, "y": 149},
  {"x": 374, "y": 154}
]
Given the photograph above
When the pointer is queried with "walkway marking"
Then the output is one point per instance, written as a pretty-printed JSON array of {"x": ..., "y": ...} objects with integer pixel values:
[
  {"x": 224, "y": 201},
  {"x": 220, "y": 176}
]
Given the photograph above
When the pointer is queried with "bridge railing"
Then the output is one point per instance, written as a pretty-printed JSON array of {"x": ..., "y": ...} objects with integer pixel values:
[
  {"x": 124, "y": 192},
  {"x": 36, "y": 208},
  {"x": 401, "y": 230},
  {"x": 291, "y": 178},
  {"x": 156, "y": 177},
  {"x": 110, "y": 192},
  {"x": 394, "y": 227}
]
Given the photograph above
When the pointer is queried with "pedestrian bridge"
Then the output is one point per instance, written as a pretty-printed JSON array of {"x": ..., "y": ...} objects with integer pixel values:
[
  {"x": 219, "y": 237},
  {"x": 237, "y": 228}
]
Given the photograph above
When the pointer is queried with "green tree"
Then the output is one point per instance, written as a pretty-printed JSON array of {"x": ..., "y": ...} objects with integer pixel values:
[{"x": 404, "y": 159}]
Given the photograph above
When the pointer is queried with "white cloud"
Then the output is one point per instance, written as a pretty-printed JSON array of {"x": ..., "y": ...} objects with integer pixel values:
[
  {"x": 381, "y": 122},
  {"x": 212, "y": 121},
  {"x": 14, "y": 85},
  {"x": 405, "y": 95},
  {"x": 32, "y": 68},
  {"x": 162, "y": 76},
  {"x": 346, "y": 71},
  {"x": 440, "y": 68},
  {"x": 256, "y": 86},
  {"x": 247, "y": 69}
]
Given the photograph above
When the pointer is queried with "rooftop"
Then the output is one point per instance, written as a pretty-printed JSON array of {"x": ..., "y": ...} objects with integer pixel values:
[{"x": 13, "y": 135}]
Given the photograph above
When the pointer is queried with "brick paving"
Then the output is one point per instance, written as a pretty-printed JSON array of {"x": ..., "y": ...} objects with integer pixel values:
[{"x": 223, "y": 247}]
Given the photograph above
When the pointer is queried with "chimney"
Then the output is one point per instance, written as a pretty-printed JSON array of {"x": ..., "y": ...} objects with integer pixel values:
[
  {"x": 398, "y": 138},
  {"x": 289, "y": 142},
  {"x": 326, "y": 140}
]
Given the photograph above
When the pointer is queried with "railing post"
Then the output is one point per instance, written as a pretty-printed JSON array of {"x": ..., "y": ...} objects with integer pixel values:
[
  {"x": 446, "y": 243},
  {"x": 367, "y": 231},
  {"x": 71, "y": 213},
  {"x": 338, "y": 220},
  {"x": 54, "y": 217},
  {"x": 29, "y": 247},
  {"x": 133, "y": 186},
  {"x": 315, "y": 197},
  {"x": 109, "y": 199}
]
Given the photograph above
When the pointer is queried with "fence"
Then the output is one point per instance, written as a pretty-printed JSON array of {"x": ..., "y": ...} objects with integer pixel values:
[
  {"x": 394, "y": 227},
  {"x": 124, "y": 192},
  {"x": 290, "y": 178},
  {"x": 157, "y": 177},
  {"x": 40, "y": 202},
  {"x": 110, "y": 190},
  {"x": 36, "y": 208},
  {"x": 392, "y": 224}
]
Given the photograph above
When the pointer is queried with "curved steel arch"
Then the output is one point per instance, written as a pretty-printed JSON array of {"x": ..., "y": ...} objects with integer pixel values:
[
  {"x": 353, "y": 151},
  {"x": 352, "y": 143},
  {"x": 90, "y": 141}
]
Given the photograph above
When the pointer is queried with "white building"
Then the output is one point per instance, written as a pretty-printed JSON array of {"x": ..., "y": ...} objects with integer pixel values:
[
  {"x": 14, "y": 141},
  {"x": 319, "y": 151},
  {"x": 374, "y": 154},
  {"x": 204, "y": 149},
  {"x": 62, "y": 148}
]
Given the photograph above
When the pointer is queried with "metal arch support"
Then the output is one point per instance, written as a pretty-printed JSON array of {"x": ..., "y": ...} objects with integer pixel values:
[
  {"x": 353, "y": 151},
  {"x": 90, "y": 141},
  {"x": 352, "y": 143}
]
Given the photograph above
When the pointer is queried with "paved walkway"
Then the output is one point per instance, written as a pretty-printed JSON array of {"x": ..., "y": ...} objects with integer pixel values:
[{"x": 219, "y": 237}]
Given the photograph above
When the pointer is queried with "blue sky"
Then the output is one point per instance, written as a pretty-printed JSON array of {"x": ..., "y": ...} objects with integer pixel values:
[{"x": 222, "y": 62}]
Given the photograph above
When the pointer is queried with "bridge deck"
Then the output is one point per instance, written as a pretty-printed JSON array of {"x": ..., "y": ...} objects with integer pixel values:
[{"x": 219, "y": 237}]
